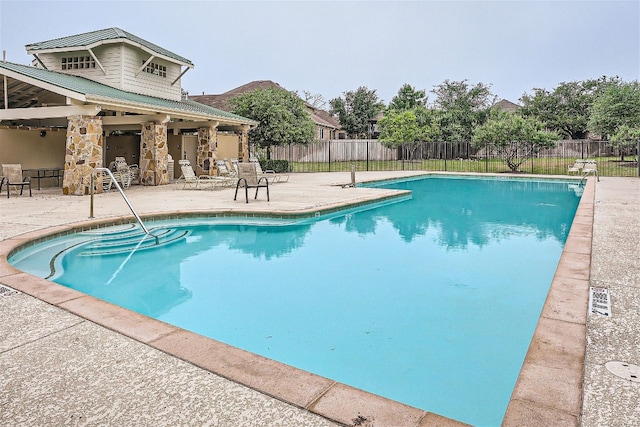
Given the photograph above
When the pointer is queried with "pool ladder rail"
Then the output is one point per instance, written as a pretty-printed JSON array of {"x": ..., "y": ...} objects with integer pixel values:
[{"x": 115, "y": 181}]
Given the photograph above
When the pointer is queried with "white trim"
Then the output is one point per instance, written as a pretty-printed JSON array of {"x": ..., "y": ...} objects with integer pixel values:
[
  {"x": 151, "y": 58},
  {"x": 49, "y": 112},
  {"x": 95, "y": 58}
]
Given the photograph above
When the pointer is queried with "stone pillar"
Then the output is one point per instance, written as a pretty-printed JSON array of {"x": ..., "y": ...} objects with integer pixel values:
[
  {"x": 154, "y": 154},
  {"x": 207, "y": 152},
  {"x": 243, "y": 140},
  {"x": 83, "y": 154}
]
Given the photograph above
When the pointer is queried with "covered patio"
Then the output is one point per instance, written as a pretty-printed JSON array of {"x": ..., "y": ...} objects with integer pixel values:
[{"x": 71, "y": 125}]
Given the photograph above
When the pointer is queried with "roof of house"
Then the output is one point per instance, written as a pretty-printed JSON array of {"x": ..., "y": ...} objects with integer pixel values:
[
  {"x": 221, "y": 101},
  {"x": 90, "y": 91},
  {"x": 319, "y": 117},
  {"x": 99, "y": 37},
  {"x": 507, "y": 106}
]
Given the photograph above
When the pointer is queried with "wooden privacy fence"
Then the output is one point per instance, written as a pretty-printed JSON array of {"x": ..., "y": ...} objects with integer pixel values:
[{"x": 340, "y": 155}]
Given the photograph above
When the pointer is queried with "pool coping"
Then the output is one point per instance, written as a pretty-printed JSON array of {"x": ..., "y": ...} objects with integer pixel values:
[{"x": 548, "y": 389}]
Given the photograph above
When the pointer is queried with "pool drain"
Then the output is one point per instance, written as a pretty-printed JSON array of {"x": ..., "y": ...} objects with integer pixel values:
[{"x": 624, "y": 370}]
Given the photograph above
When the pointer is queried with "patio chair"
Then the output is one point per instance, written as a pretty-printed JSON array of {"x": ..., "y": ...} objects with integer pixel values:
[
  {"x": 12, "y": 177},
  {"x": 275, "y": 177},
  {"x": 576, "y": 167},
  {"x": 248, "y": 178},
  {"x": 225, "y": 173},
  {"x": 191, "y": 180}
]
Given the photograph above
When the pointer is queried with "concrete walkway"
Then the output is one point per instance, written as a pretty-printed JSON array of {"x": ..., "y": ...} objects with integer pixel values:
[
  {"x": 609, "y": 400},
  {"x": 57, "y": 368}
]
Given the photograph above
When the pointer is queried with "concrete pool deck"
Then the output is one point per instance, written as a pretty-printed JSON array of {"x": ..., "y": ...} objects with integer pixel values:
[{"x": 67, "y": 358}]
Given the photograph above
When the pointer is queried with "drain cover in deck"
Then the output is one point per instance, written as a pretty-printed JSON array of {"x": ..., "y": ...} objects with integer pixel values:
[
  {"x": 599, "y": 301},
  {"x": 624, "y": 370}
]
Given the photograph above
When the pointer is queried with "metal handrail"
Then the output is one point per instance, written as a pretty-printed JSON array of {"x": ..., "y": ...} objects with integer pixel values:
[{"x": 115, "y": 181}]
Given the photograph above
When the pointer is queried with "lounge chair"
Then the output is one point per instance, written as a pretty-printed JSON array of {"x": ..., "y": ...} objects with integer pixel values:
[
  {"x": 248, "y": 178},
  {"x": 576, "y": 167},
  {"x": 590, "y": 166},
  {"x": 191, "y": 180},
  {"x": 12, "y": 177},
  {"x": 269, "y": 174},
  {"x": 225, "y": 173}
]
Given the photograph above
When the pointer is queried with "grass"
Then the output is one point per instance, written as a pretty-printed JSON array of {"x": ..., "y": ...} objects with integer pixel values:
[{"x": 607, "y": 166}]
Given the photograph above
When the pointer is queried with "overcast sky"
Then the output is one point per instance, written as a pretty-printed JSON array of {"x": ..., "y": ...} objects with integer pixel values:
[{"x": 329, "y": 47}]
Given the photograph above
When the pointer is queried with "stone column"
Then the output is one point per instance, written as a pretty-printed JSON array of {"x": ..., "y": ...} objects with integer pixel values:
[
  {"x": 154, "y": 154},
  {"x": 207, "y": 152},
  {"x": 83, "y": 154},
  {"x": 244, "y": 143}
]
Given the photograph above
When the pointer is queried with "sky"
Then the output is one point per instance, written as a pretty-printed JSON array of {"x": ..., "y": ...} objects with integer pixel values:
[{"x": 331, "y": 47}]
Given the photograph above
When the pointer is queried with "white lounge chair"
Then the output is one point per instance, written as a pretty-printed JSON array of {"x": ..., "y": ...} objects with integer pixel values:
[
  {"x": 225, "y": 173},
  {"x": 191, "y": 180},
  {"x": 269, "y": 174},
  {"x": 576, "y": 167},
  {"x": 590, "y": 166}
]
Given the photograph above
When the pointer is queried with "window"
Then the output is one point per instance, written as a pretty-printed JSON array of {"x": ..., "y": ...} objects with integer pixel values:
[
  {"x": 155, "y": 69},
  {"x": 78, "y": 63}
]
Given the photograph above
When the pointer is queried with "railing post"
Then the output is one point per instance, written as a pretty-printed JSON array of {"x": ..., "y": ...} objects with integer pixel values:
[{"x": 91, "y": 192}]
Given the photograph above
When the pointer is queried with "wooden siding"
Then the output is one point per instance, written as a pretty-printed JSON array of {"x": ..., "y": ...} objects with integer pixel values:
[
  {"x": 121, "y": 63},
  {"x": 145, "y": 83}
]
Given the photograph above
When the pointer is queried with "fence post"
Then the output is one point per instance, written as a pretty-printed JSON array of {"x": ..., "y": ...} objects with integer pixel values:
[
  {"x": 486, "y": 157},
  {"x": 329, "y": 155},
  {"x": 445, "y": 156},
  {"x": 532, "y": 159}
]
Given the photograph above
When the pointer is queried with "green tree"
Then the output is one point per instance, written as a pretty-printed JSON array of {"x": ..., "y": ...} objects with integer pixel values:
[
  {"x": 463, "y": 107},
  {"x": 356, "y": 109},
  {"x": 408, "y": 98},
  {"x": 407, "y": 128},
  {"x": 625, "y": 139},
  {"x": 513, "y": 137},
  {"x": 618, "y": 105},
  {"x": 283, "y": 117},
  {"x": 566, "y": 108}
]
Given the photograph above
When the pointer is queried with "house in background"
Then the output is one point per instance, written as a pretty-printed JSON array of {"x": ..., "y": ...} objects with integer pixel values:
[
  {"x": 327, "y": 126},
  {"x": 507, "y": 105},
  {"x": 91, "y": 97}
]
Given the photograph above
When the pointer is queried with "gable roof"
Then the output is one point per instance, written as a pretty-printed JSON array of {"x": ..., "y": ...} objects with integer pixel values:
[
  {"x": 507, "y": 105},
  {"x": 222, "y": 101},
  {"x": 92, "y": 39},
  {"x": 89, "y": 91},
  {"x": 319, "y": 117}
]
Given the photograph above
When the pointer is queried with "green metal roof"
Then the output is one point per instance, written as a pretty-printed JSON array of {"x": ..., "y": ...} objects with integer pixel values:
[
  {"x": 97, "y": 92},
  {"x": 93, "y": 37}
]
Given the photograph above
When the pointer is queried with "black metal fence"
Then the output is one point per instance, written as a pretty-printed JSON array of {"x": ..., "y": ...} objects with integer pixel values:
[{"x": 371, "y": 155}]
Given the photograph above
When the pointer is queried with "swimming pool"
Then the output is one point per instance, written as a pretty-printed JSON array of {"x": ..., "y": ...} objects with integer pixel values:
[{"x": 455, "y": 227}]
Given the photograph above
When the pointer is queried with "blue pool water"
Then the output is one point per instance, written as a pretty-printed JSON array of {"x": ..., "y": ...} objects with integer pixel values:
[{"x": 431, "y": 300}]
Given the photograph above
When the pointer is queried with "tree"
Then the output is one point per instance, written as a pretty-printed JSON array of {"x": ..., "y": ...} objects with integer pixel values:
[
  {"x": 618, "y": 105},
  {"x": 566, "y": 108},
  {"x": 283, "y": 117},
  {"x": 407, "y": 128},
  {"x": 463, "y": 108},
  {"x": 408, "y": 98},
  {"x": 315, "y": 99},
  {"x": 625, "y": 139},
  {"x": 515, "y": 138},
  {"x": 356, "y": 109}
]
